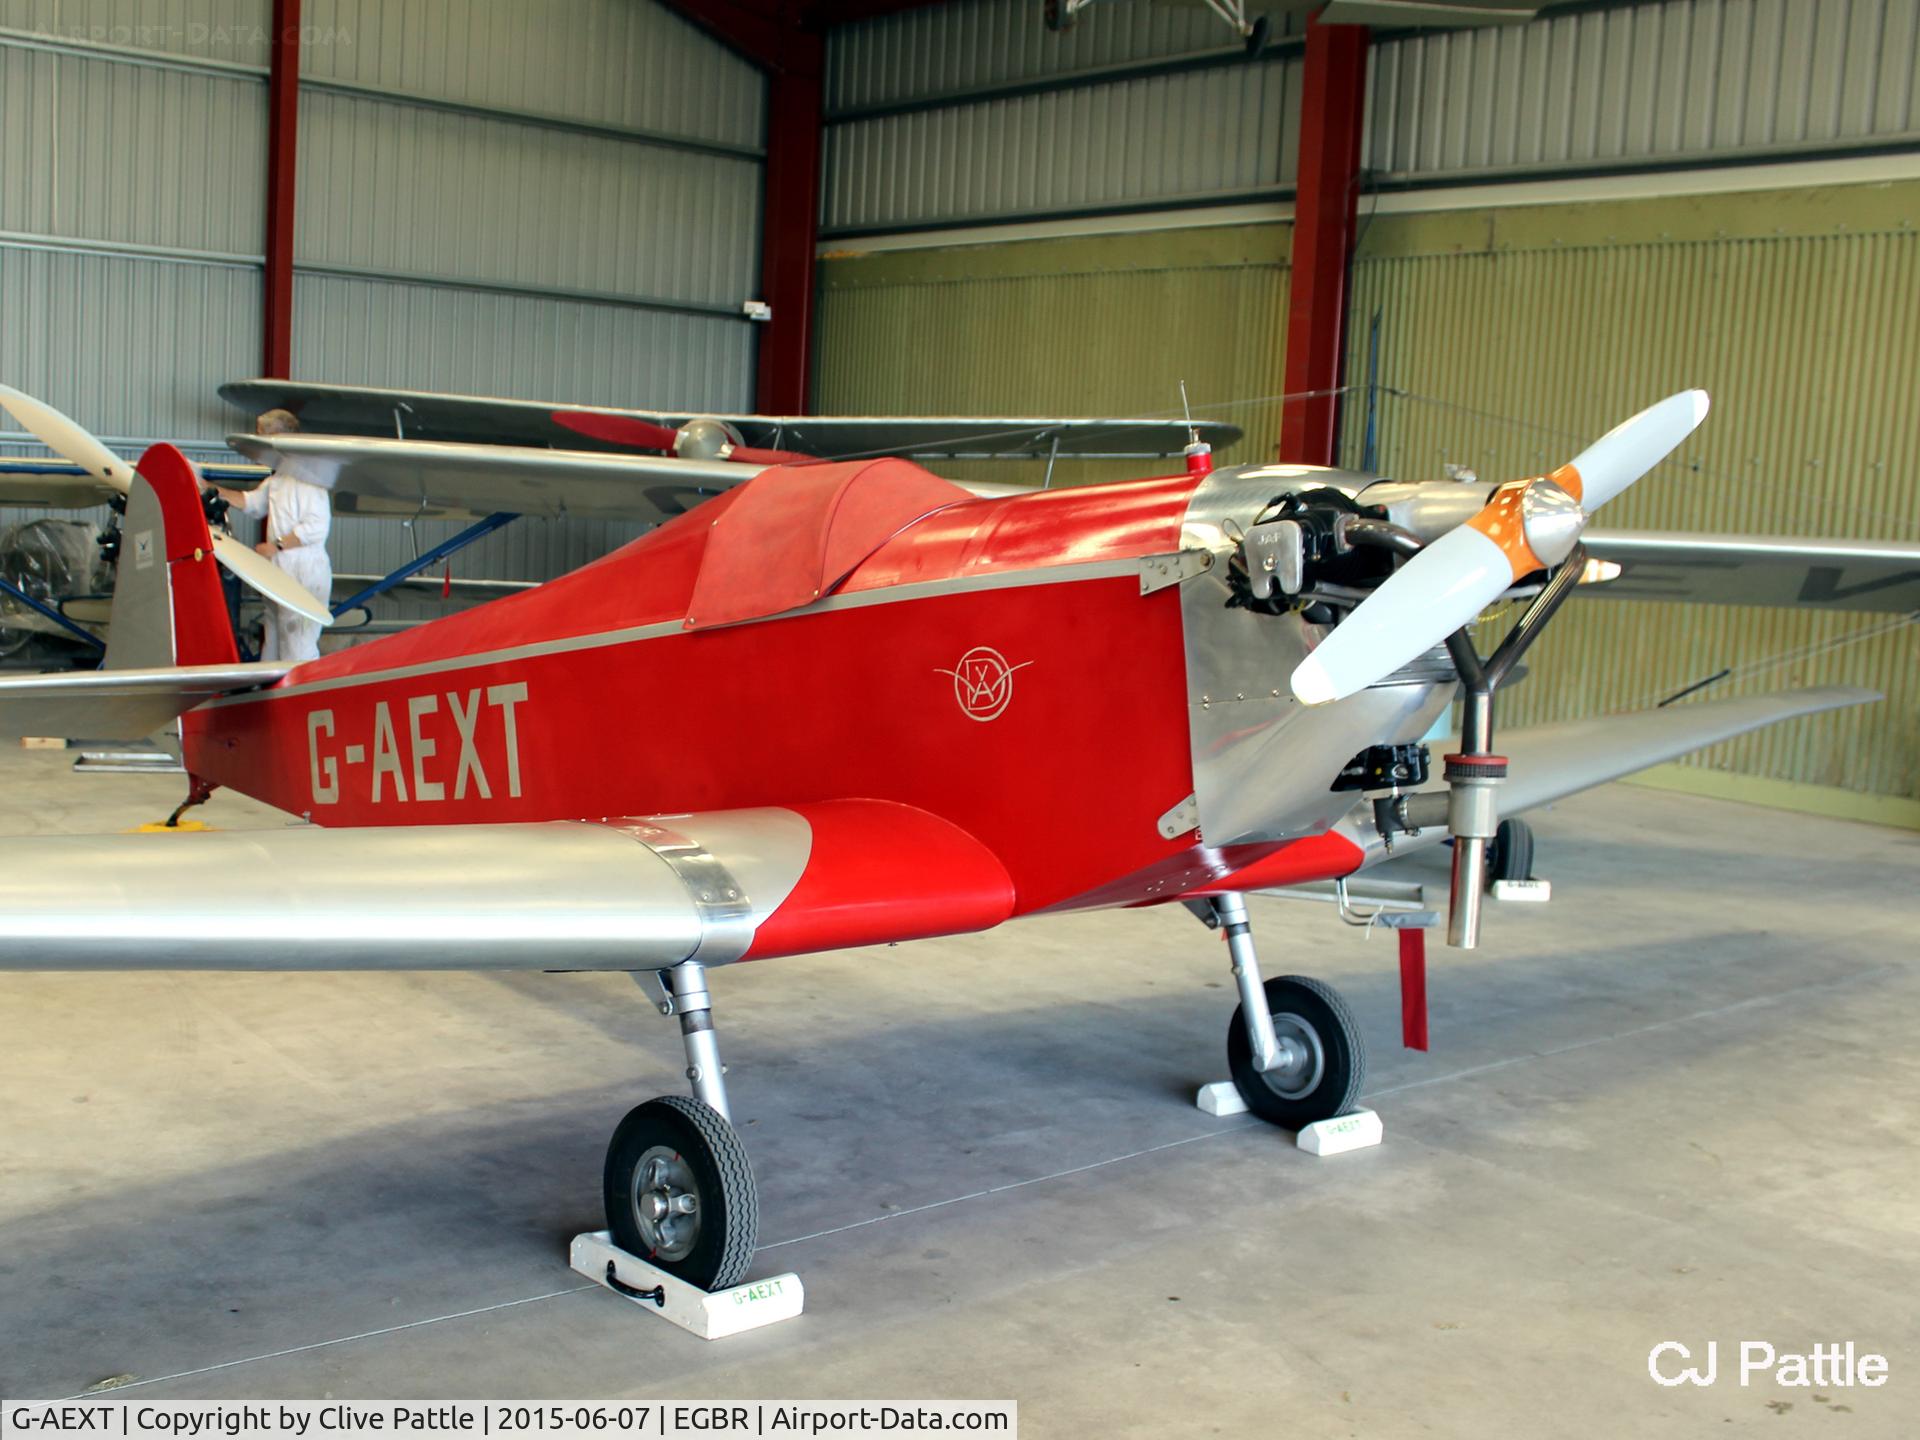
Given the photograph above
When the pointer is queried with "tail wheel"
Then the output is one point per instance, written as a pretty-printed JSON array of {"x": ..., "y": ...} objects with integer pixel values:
[
  {"x": 1510, "y": 852},
  {"x": 680, "y": 1194},
  {"x": 1323, "y": 1061}
]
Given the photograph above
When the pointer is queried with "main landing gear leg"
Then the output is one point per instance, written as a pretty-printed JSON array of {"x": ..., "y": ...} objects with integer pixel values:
[
  {"x": 679, "y": 1191},
  {"x": 1293, "y": 1048}
]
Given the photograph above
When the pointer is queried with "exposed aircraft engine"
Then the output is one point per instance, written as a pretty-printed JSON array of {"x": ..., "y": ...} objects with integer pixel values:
[{"x": 50, "y": 560}]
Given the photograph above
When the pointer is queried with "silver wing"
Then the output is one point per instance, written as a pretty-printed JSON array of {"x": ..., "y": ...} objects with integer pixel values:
[
  {"x": 1873, "y": 575},
  {"x": 636, "y": 893},
  {"x": 475, "y": 419},
  {"x": 1550, "y": 762}
]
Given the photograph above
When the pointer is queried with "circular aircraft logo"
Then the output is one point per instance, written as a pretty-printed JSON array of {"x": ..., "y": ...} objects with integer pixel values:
[{"x": 983, "y": 682}]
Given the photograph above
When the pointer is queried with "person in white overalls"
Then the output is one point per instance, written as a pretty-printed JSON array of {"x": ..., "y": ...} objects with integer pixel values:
[{"x": 298, "y": 519}]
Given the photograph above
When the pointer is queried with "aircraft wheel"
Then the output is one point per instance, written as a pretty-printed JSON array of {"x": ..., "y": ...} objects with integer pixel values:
[
  {"x": 680, "y": 1194},
  {"x": 1510, "y": 852},
  {"x": 1324, "y": 1060}
]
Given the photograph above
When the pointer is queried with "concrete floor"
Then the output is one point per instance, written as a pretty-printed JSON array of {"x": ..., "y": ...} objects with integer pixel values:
[{"x": 1679, "y": 1103}]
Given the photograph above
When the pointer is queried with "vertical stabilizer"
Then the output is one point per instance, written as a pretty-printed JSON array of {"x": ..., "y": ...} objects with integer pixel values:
[{"x": 169, "y": 607}]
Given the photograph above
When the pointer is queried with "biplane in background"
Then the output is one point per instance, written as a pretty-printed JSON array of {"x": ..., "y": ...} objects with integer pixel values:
[
  {"x": 490, "y": 461},
  {"x": 833, "y": 703}
]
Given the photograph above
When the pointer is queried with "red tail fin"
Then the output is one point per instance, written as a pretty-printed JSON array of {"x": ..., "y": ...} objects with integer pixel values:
[{"x": 169, "y": 607}]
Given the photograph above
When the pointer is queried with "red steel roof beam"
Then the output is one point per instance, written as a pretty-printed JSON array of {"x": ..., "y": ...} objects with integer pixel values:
[
  {"x": 283, "y": 143},
  {"x": 786, "y": 42}
]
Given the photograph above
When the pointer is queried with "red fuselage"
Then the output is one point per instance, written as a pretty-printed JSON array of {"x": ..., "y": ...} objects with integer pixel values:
[{"x": 995, "y": 663}]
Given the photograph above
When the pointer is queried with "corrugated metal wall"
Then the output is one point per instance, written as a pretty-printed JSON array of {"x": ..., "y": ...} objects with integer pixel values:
[
  {"x": 159, "y": 167},
  {"x": 486, "y": 249},
  {"x": 550, "y": 200},
  {"x": 1648, "y": 83},
  {"x": 1523, "y": 333},
  {"x": 1105, "y": 325},
  {"x": 1220, "y": 134},
  {"x": 937, "y": 118},
  {"x": 955, "y": 46}
]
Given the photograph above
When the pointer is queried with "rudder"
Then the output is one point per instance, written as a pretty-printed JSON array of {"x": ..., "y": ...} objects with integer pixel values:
[{"x": 169, "y": 604}]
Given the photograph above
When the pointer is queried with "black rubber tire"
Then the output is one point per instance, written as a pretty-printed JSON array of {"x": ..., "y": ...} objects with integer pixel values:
[
  {"x": 1510, "y": 852},
  {"x": 1344, "y": 1054},
  {"x": 723, "y": 1180}
]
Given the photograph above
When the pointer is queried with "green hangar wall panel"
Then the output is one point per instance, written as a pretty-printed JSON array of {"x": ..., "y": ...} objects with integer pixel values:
[
  {"x": 1509, "y": 337},
  {"x": 1100, "y": 325}
]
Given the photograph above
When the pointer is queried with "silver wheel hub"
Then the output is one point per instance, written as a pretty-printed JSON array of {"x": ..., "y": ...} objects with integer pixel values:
[
  {"x": 1299, "y": 1063},
  {"x": 666, "y": 1204}
]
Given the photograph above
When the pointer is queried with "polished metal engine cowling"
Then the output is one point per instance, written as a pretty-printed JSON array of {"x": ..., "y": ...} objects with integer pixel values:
[{"x": 1263, "y": 763}]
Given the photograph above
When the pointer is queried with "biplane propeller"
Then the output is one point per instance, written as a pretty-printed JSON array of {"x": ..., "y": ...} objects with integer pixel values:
[{"x": 66, "y": 438}]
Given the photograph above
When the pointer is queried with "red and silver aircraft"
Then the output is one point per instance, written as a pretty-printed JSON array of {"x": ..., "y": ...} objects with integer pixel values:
[{"x": 889, "y": 678}]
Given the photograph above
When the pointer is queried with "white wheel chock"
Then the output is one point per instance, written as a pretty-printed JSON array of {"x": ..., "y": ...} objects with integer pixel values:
[
  {"x": 712, "y": 1315},
  {"x": 1355, "y": 1130}
]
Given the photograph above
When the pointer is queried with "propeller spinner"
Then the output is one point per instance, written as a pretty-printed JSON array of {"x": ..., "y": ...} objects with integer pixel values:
[
  {"x": 701, "y": 438},
  {"x": 1527, "y": 525}
]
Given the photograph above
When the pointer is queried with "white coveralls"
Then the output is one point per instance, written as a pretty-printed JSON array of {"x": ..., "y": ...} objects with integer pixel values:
[{"x": 299, "y": 512}]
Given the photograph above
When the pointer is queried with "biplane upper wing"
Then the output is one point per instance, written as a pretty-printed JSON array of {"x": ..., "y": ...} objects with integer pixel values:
[
  {"x": 435, "y": 477},
  {"x": 614, "y": 894},
  {"x": 422, "y": 415},
  {"x": 1874, "y": 575}
]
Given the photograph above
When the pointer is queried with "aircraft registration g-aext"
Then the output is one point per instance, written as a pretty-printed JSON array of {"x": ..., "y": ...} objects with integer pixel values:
[{"x": 439, "y": 746}]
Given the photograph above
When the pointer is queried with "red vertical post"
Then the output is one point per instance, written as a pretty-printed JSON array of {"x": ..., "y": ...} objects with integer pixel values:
[
  {"x": 789, "y": 226},
  {"x": 1413, "y": 989},
  {"x": 1332, "y": 115},
  {"x": 283, "y": 132}
]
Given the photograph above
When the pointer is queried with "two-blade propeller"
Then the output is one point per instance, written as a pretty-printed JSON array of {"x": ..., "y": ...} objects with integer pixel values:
[
  {"x": 698, "y": 439},
  {"x": 66, "y": 438},
  {"x": 1526, "y": 525}
]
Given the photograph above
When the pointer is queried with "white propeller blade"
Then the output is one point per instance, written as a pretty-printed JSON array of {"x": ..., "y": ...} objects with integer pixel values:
[
  {"x": 1465, "y": 570},
  {"x": 255, "y": 570},
  {"x": 65, "y": 437},
  {"x": 1633, "y": 447},
  {"x": 62, "y": 436},
  {"x": 1419, "y": 605}
]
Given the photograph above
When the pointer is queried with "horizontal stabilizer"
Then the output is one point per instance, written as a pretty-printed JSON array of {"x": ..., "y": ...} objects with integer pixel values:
[{"x": 119, "y": 704}]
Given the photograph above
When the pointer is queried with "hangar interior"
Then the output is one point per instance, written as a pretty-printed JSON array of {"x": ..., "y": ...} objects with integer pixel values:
[{"x": 1673, "y": 1103}]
